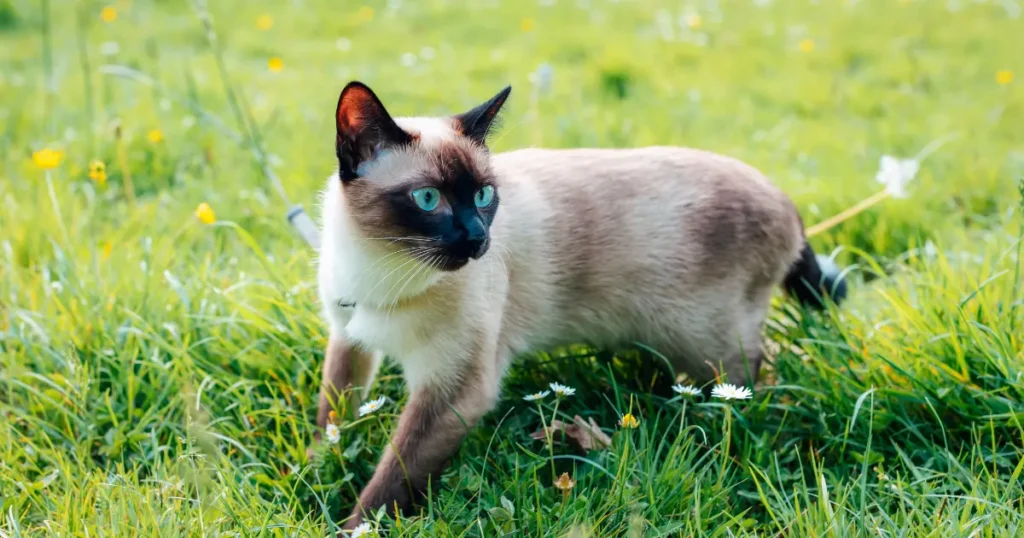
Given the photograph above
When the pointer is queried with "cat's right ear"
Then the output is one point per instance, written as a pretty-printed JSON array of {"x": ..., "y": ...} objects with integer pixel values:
[{"x": 364, "y": 129}]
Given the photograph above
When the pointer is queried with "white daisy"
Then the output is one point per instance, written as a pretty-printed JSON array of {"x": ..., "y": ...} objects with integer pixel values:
[
  {"x": 562, "y": 390},
  {"x": 537, "y": 396},
  {"x": 333, "y": 434},
  {"x": 731, "y": 392},
  {"x": 687, "y": 390},
  {"x": 896, "y": 173},
  {"x": 372, "y": 406},
  {"x": 361, "y": 530}
]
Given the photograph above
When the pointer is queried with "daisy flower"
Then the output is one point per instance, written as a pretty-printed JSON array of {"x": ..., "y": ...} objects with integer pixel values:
[
  {"x": 537, "y": 396},
  {"x": 372, "y": 406},
  {"x": 686, "y": 390},
  {"x": 333, "y": 434},
  {"x": 562, "y": 390},
  {"x": 731, "y": 392},
  {"x": 896, "y": 173},
  {"x": 362, "y": 530}
]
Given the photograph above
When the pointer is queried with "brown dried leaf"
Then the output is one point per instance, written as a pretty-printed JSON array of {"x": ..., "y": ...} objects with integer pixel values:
[{"x": 584, "y": 435}]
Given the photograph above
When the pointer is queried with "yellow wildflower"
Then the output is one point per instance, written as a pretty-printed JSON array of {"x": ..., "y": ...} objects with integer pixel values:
[
  {"x": 109, "y": 14},
  {"x": 155, "y": 136},
  {"x": 364, "y": 15},
  {"x": 565, "y": 483},
  {"x": 47, "y": 159},
  {"x": 694, "y": 21},
  {"x": 806, "y": 45},
  {"x": 1004, "y": 77},
  {"x": 332, "y": 416},
  {"x": 98, "y": 173},
  {"x": 205, "y": 213},
  {"x": 275, "y": 64},
  {"x": 527, "y": 24},
  {"x": 264, "y": 22},
  {"x": 108, "y": 249},
  {"x": 629, "y": 421}
]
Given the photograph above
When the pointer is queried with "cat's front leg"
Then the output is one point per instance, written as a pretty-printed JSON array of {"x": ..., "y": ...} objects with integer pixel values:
[
  {"x": 430, "y": 429},
  {"x": 348, "y": 372}
]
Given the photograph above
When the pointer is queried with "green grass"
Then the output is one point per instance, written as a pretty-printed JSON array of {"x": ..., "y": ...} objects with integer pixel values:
[{"x": 159, "y": 376}]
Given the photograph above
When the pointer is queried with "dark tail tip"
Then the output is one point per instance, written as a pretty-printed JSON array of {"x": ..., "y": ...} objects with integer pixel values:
[{"x": 813, "y": 279}]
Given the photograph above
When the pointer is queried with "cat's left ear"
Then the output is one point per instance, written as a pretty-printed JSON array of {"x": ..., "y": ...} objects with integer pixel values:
[{"x": 477, "y": 123}]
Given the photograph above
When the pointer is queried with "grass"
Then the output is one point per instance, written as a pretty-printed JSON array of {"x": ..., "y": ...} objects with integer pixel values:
[{"x": 158, "y": 376}]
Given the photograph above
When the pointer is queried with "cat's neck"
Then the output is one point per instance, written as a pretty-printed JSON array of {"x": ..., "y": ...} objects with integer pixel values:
[{"x": 369, "y": 271}]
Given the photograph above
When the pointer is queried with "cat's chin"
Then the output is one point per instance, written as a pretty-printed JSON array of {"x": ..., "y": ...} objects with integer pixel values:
[{"x": 451, "y": 264}]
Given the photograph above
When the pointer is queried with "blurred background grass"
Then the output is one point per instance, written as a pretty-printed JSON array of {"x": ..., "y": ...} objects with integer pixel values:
[{"x": 159, "y": 375}]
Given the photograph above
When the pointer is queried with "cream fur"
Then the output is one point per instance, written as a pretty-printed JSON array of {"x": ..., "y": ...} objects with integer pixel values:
[{"x": 677, "y": 248}]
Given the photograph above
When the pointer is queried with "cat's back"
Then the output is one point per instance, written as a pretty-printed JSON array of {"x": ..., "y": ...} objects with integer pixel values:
[{"x": 658, "y": 214}]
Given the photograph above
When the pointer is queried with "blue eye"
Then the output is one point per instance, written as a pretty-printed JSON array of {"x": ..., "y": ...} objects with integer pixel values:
[
  {"x": 484, "y": 196},
  {"x": 427, "y": 198}
]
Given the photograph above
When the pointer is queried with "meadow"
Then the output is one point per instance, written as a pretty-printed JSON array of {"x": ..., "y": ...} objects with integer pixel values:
[{"x": 160, "y": 337}]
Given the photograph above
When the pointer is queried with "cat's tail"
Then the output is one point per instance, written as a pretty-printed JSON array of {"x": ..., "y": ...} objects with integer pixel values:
[{"x": 815, "y": 278}]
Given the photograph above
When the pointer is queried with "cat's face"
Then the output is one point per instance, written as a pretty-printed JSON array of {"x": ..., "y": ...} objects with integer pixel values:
[{"x": 423, "y": 186}]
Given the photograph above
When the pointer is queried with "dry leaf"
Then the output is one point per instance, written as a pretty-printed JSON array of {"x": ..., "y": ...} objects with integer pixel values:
[{"x": 584, "y": 435}]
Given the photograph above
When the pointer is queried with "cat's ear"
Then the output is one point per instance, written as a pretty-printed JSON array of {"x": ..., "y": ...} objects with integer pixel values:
[
  {"x": 364, "y": 129},
  {"x": 477, "y": 123}
]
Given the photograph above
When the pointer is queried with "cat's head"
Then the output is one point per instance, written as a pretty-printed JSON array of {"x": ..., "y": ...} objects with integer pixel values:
[{"x": 420, "y": 184}]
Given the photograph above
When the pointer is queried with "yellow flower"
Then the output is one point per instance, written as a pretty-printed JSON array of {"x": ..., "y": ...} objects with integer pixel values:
[
  {"x": 264, "y": 22},
  {"x": 527, "y": 24},
  {"x": 694, "y": 21},
  {"x": 629, "y": 421},
  {"x": 109, "y": 14},
  {"x": 205, "y": 213},
  {"x": 275, "y": 64},
  {"x": 806, "y": 45},
  {"x": 155, "y": 136},
  {"x": 565, "y": 483},
  {"x": 108, "y": 249},
  {"x": 364, "y": 15},
  {"x": 47, "y": 159},
  {"x": 1004, "y": 77},
  {"x": 332, "y": 416},
  {"x": 98, "y": 173}
]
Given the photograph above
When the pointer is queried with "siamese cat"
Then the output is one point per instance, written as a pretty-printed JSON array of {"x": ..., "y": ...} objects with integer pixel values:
[{"x": 452, "y": 260}]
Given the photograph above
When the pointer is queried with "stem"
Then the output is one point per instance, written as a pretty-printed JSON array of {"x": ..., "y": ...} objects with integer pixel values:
[
  {"x": 83, "y": 60},
  {"x": 56, "y": 210},
  {"x": 846, "y": 214},
  {"x": 122, "y": 163},
  {"x": 51, "y": 86},
  {"x": 726, "y": 442},
  {"x": 551, "y": 444}
]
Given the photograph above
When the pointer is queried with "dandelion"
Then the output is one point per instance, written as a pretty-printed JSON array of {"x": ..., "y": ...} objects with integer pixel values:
[
  {"x": 372, "y": 406},
  {"x": 264, "y": 22},
  {"x": 686, "y": 390},
  {"x": 333, "y": 434},
  {"x": 205, "y": 213},
  {"x": 806, "y": 45},
  {"x": 362, "y": 530},
  {"x": 108, "y": 14},
  {"x": 47, "y": 159},
  {"x": 275, "y": 64},
  {"x": 731, "y": 392},
  {"x": 155, "y": 136},
  {"x": 562, "y": 390},
  {"x": 694, "y": 21},
  {"x": 98, "y": 173},
  {"x": 537, "y": 396},
  {"x": 364, "y": 15},
  {"x": 565, "y": 483},
  {"x": 629, "y": 421},
  {"x": 1004, "y": 77},
  {"x": 895, "y": 174},
  {"x": 527, "y": 24}
]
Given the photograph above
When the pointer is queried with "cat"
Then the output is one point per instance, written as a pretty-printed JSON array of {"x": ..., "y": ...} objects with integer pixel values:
[{"x": 452, "y": 260}]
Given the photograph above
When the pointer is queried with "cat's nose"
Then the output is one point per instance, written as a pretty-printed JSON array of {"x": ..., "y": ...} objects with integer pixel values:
[{"x": 476, "y": 246}]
